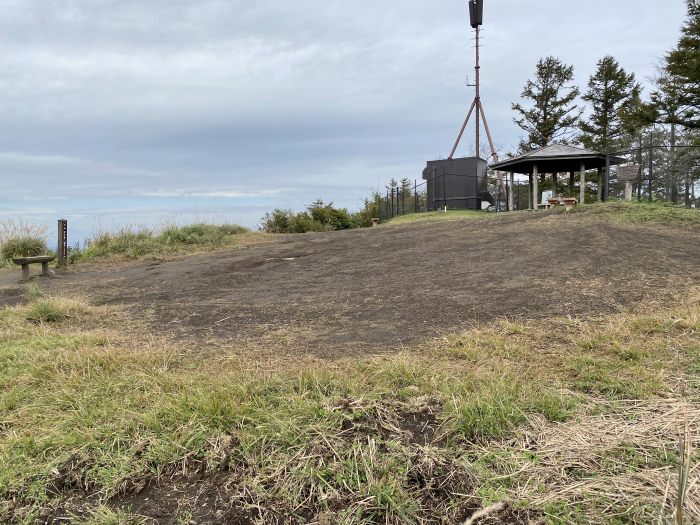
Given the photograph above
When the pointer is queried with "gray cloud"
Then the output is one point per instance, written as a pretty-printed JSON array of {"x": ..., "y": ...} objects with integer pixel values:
[{"x": 287, "y": 99}]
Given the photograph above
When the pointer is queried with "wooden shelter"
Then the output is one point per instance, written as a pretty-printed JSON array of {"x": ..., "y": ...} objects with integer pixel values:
[{"x": 554, "y": 159}]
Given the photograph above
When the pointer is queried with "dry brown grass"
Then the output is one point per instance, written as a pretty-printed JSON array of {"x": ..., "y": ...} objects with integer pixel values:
[{"x": 621, "y": 460}]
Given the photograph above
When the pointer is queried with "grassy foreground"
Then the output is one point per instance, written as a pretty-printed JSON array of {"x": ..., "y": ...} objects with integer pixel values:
[{"x": 569, "y": 421}]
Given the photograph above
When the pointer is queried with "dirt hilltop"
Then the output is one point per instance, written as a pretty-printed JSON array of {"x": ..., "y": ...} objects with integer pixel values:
[{"x": 373, "y": 290}]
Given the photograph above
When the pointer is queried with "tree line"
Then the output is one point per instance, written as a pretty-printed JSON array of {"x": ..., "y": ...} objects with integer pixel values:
[{"x": 615, "y": 116}]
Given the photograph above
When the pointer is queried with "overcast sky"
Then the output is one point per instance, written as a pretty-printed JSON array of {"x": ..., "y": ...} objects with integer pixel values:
[{"x": 123, "y": 111}]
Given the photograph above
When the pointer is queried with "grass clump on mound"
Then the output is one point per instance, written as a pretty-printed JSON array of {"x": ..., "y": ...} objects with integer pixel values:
[
  {"x": 23, "y": 247},
  {"x": 645, "y": 213},
  {"x": 45, "y": 311},
  {"x": 20, "y": 239},
  {"x": 134, "y": 243},
  {"x": 440, "y": 216}
]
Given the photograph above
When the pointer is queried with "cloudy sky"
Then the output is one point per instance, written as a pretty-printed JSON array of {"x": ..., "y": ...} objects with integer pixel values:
[{"x": 127, "y": 111}]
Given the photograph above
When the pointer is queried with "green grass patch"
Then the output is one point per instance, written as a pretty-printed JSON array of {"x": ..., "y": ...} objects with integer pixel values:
[
  {"x": 440, "y": 216},
  {"x": 620, "y": 357},
  {"x": 172, "y": 240},
  {"x": 644, "y": 213}
]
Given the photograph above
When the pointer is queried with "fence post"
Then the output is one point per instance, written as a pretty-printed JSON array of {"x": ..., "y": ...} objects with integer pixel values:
[
  {"x": 62, "y": 249},
  {"x": 639, "y": 179},
  {"x": 651, "y": 167},
  {"x": 386, "y": 205},
  {"x": 415, "y": 194}
]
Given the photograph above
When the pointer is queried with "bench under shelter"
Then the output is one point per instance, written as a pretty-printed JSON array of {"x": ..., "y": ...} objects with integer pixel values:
[{"x": 555, "y": 159}]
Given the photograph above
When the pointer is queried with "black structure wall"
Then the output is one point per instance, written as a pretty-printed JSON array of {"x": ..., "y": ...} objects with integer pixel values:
[{"x": 456, "y": 183}]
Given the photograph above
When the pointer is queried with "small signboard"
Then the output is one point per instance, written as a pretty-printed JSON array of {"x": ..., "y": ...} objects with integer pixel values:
[{"x": 628, "y": 173}]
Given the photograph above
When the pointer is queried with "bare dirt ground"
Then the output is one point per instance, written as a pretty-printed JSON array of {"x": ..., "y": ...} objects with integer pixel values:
[{"x": 375, "y": 290}]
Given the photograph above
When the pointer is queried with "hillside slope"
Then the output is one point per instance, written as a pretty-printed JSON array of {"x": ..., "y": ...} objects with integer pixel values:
[{"x": 376, "y": 289}]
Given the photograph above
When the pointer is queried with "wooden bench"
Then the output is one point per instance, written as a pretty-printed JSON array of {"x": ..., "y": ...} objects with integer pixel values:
[
  {"x": 24, "y": 262},
  {"x": 375, "y": 221},
  {"x": 553, "y": 203},
  {"x": 570, "y": 203}
]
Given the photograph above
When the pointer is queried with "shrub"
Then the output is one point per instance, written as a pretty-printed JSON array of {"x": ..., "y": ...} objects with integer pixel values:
[
  {"x": 327, "y": 215},
  {"x": 286, "y": 221},
  {"x": 198, "y": 234},
  {"x": 318, "y": 217},
  {"x": 23, "y": 247}
]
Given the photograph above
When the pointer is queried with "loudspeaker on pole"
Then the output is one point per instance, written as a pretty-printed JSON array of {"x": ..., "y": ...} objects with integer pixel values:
[{"x": 476, "y": 12}]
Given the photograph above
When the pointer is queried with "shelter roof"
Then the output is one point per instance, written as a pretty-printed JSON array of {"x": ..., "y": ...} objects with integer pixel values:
[{"x": 556, "y": 158}]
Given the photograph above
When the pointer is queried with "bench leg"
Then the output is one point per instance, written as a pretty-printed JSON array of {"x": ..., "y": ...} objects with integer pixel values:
[
  {"x": 45, "y": 268},
  {"x": 25, "y": 272}
]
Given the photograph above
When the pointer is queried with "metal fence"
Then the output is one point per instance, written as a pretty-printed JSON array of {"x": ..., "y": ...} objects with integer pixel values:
[{"x": 664, "y": 173}]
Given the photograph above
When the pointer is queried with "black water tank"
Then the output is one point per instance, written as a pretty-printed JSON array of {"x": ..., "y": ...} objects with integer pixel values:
[{"x": 456, "y": 183}]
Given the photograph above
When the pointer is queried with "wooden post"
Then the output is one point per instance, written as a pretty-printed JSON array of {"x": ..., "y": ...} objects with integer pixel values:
[
  {"x": 62, "y": 249},
  {"x": 582, "y": 190},
  {"x": 535, "y": 190},
  {"x": 572, "y": 183},
  {"x": 555, "y": 180},
  {"x": 529, "y": 193},
  {"x": 511, "y": 180},
  {"x": 25, "y": 272}
]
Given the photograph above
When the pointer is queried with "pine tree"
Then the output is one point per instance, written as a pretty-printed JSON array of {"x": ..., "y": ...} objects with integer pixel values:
[
  {"x": 553, "y": 114},
  {"x": 681, "y": 72},
  {"x": 612, "y": 93}
]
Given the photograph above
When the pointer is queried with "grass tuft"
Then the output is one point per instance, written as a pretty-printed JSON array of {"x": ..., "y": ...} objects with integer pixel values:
[
  {"x": 21, "y": 239},
  {"x": 45, "y": 312},
  {"x": 34, "y": 292}
]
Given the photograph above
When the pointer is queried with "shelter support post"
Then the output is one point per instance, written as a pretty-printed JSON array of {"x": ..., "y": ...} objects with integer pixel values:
[
  {"x": 511, "y": 181},
  {"x": 572, "y": 182},
  {"x": 582, "y": 188},
  {"x": 535, "y": 189},
  {"x": 555, "y": 182}
]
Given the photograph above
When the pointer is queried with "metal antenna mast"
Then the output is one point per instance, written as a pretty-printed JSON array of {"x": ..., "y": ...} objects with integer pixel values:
[{"x": 476, "y": 15}]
